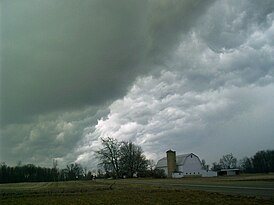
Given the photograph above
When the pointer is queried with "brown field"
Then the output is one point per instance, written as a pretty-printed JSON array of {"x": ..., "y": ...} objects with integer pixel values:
[{"x": 139, "y": 191}]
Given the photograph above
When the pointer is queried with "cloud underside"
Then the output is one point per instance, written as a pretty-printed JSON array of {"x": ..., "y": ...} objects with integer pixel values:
[
  {"x": 194, "y": 76},
  {"x": 66, "y": 54}
]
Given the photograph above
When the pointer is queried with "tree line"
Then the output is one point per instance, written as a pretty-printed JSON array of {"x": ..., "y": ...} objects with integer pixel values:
[
  {"x": 117, "y": 160},
  {"x": 261, "y": 162},
  {"x": 32, "y": 173},
  {"x": 122, "y": 159}
]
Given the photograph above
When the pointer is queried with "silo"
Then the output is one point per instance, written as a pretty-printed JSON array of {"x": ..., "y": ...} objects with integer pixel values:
[{"x": 171, "y": 162}]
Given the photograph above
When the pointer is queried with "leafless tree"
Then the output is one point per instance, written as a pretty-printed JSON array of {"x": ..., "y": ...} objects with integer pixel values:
[
  {"x": 132, "y": 159},
  {"x": 204, "y": 165},
  {"x": 109, "y": 155},
  {"x": 151, "y": 164},
  {"x": 228, "y": 161},
  {"x": 121, "y": 158}
]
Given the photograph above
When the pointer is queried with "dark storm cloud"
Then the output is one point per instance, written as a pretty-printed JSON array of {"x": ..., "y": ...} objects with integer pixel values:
[
  {"x": 59, "y": 54},
  {"x": 67, "y": 54},
  {"x": 62, "y": 59},
  {"x": 49, "y": 136}
]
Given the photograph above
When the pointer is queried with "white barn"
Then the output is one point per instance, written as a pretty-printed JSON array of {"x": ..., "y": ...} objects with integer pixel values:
[{"x": 183, "y": 165}]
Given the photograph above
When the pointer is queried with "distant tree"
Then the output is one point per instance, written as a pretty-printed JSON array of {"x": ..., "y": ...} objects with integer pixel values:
[
  {"x": 246, "y": 165},
  {"x": 100, "y": 173},
  {"x": 263, "y": 161},
  {"x": 159, "y": 173},
  {"x": 54, "y": 169},
  {"x": 151, "y": 164},
  {"x": 132, "y": 160},
  {"x": 3, "y": 173},
  {"x": 89, "y": 176},
  {"x": 63, "y": 175},
  {"x": 110, "y": 155},
  {"x": 32, "y": 173},
  {"x": 228, "y": 161},
  {"x": 204, "y": 165},
  {"x": 74, "y": 171},
  {"x": 216, "y": 166}
]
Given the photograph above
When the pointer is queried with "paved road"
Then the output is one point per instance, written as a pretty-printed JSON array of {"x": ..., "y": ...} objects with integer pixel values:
[
  {"x": 229, "y": 189},
  {"x": 250, "y": 189}
]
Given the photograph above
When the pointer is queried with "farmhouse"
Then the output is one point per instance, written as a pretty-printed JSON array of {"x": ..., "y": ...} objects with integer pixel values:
[{"x": 183, "y": 165}]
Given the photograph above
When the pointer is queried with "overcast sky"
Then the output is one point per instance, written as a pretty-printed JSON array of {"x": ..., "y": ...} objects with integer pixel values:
[{"x": 188, "y": 75}]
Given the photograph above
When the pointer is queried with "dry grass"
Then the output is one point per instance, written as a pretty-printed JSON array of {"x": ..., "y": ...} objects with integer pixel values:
[
  {"x": 153, "y": 196},
  {"x": 122, "y": 192}
]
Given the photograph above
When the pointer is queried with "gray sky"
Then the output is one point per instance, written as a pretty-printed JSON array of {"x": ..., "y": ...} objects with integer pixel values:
[{"x": 189, "y": 75}]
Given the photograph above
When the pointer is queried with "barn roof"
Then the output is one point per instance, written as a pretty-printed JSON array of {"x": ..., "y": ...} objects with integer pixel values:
[{"x": 180, "y": 160}]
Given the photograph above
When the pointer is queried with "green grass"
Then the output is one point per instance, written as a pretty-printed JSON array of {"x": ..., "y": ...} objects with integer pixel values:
[{"x": 124, "y": 192}]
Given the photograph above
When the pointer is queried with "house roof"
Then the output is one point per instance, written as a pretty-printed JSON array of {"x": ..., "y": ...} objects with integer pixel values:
[
  {"x": 227, "y": 170},
  {"x": 180, "y": 160}
]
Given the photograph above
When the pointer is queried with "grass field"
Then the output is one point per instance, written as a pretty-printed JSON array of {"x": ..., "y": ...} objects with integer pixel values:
[{"x": 133, "y": 191}]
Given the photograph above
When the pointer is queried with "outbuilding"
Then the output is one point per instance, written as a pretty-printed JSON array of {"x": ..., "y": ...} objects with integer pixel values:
[{"x": 228, "y": 172}]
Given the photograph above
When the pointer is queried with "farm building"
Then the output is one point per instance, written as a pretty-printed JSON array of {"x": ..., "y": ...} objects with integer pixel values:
[
  {"x": 183, "y": 165},
  {"x": 228, "y": 172}
]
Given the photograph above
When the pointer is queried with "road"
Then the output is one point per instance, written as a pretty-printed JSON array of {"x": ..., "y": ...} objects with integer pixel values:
[
  {"x": 228, "y": 189},
  {"x": 252, "y": 188}
]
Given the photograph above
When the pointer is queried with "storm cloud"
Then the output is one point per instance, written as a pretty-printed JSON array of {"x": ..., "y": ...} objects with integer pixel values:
[
  {"x": 195, "y": 76},
  {"x": 67, "y": 54}
]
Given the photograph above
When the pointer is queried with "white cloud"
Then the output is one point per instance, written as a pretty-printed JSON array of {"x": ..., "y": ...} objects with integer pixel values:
[
  {"x": 216, "y": 97},
  {"x": 190, "y": 121}
]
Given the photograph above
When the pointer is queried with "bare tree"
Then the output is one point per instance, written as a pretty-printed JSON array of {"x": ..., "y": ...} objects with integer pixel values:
[
  {"x": 132, "y": 159},
  {"x": 121, "y": 158},
  {"x": 228, "y": 161},
  {"x": 263, "y": 161},
  {"x": 246, "y": 165},
  {"x": 74, "y": 171},
  {"x": 151, "y": 164},
  {"x": 109, "y": 155},
  {"x": 216, "y": 167},
  {"x": 204, "y": 165},
  {"x": 54, "y": 169}
]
